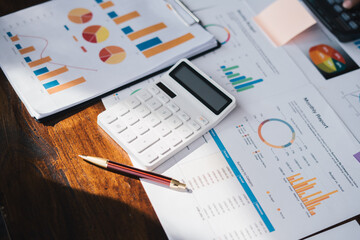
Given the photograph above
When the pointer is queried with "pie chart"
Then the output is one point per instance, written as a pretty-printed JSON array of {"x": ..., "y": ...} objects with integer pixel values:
[
  {"x": 327, "y": 58},
  {"x": 112, "y": 54},
  {"x": 95, "y": 34},
  {"x": 80, "y": 15}
]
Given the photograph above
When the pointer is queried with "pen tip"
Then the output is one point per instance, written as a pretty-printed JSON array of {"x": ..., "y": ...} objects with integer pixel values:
[{"x": 82, "y": 156}]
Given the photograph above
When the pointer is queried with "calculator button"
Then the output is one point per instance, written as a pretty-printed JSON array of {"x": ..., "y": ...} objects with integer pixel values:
[
  {"x": 202, "y": 120},
  {"x": 161, "y": 148},
  {"x": 133, "y": 102},
  {"x": 120, "y": 109},
  {"x": 194, "y": 126},
  {"x": 140, "y": 128},
  {"x": 153, "y": 104},
  {"x": 173, "y": 107},
  {"x": 174, "y": 122},
  {"x": 184, "y": 132},
  {"x": 154, "y": 90},
  {"x": 128, "y": 136},
  {"x": 331, "y": 2},
  {"x": 130, "y": 119},
  {"x": 345, "y": 16},
  {"x": 162, "y": 130},
  {"x": 338, "y": 9},
  {"x": 164, "y": 113},
  {"x": 353, "y": 25},
  {"x": 173, "y": 140},
  {"x": 144, "y": 142},
  {"x": 142, "y": 111},
  {"x": 152, "y": 121},
  {"x": 108, "y": 117},
  {"x": 183, "y": 116},
  {"x": 148, "y": 156},
  {"x": 118, "y": 126},
  {"x": 144, "y": 95},
  {"x": 163, "y": 98}
]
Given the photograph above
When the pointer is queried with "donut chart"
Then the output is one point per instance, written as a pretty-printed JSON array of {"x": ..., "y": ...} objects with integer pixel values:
[
  {"x": 112, "y": 54},
  {"x": 327, "y": 58},
  {"x": 95, "y": 34},
  {"x": 220, "y": 31},
  {"x": 284, "y": 137},
  {"x": 80, "y": 15}
]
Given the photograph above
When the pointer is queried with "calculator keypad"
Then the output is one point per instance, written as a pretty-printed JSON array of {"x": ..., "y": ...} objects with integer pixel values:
[
  {"x": 343, "y": 23},
  {"x": 150, "y": 124}
]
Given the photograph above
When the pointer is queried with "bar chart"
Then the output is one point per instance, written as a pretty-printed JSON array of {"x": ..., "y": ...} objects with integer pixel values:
[
  {"x": 44, "y": 74},
  {"x": 238, "y": 81},
  {"x": 104, "y": 4},
  {"x": 307, "y": 192},
  {"x": 151, "y": 46}
]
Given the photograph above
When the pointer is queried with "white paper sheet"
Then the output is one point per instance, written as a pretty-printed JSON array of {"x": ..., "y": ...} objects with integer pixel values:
[
  {"x": 335, "y": 74},
  {"x": 252, "y": 195},
  {"x": 243, "y": 187}
]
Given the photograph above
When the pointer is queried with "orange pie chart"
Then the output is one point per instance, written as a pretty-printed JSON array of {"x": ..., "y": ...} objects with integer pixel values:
[
  {"x": 80, "y": 15},
  {"x": 112, "y": 54}
]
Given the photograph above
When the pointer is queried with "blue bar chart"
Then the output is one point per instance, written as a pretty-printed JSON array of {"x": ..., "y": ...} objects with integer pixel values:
[
  {"x": 43, "y": 73},
  {"x": 149, "y": 47},
  {"x": 239, "y": 82}
]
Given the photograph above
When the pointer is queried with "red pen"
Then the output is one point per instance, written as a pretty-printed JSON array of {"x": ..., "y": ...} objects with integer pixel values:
[{"x": 121, "y": 168}]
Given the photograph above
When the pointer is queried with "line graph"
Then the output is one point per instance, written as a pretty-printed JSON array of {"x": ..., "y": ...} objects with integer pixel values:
[
  {"x": 41, "y": 56},
  {"x": 353, "y": 99},
  {"x": 40, "y": 65}
]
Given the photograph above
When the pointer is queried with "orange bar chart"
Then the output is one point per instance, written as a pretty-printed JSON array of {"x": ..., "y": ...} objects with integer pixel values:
[
  {"x": 167, "y": 45},
  {"x": 39, "y": 62},
  {"x": 67, "y": 85},
  {"x": 146, "y": 31},
  {"x": 26, "y": 50},
  {"x": 305, "y": 191},
  {"x": 107, "y": 4},
  {"x": 15, "y": 38},
  {"x": 126, "y": 17},
  {"x": 52, "y": 73}
]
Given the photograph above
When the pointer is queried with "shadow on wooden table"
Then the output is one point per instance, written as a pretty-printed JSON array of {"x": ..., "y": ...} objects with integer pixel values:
[{"x": 49, "y": 210}]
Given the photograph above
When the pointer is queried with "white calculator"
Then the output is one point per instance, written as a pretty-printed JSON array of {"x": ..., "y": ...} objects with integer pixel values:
[{"x": 158, "y": 121}]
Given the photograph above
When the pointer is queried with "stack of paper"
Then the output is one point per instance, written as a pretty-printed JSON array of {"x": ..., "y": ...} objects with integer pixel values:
[{"x": 62, "y": 53}]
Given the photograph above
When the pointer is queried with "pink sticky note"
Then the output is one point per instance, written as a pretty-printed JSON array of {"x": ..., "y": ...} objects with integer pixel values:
[{"x": 283, "y": 20}]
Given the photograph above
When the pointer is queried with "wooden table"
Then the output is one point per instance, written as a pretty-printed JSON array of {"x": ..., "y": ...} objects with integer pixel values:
[{"x": 48, "y": 192}]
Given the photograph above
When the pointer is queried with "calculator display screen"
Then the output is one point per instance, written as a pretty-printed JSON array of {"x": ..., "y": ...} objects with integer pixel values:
[{"x": 199, "y": 87}]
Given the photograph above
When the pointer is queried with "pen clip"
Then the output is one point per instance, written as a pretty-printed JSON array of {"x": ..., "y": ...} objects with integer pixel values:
[
  {"x": 182, "y": 12},
  {"x": 188, "y": 11}
]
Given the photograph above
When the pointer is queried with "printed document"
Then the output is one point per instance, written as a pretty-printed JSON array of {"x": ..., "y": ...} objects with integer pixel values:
[
  {"x": 273, "y": 168},
  {"x": 62, "y": 53}
]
